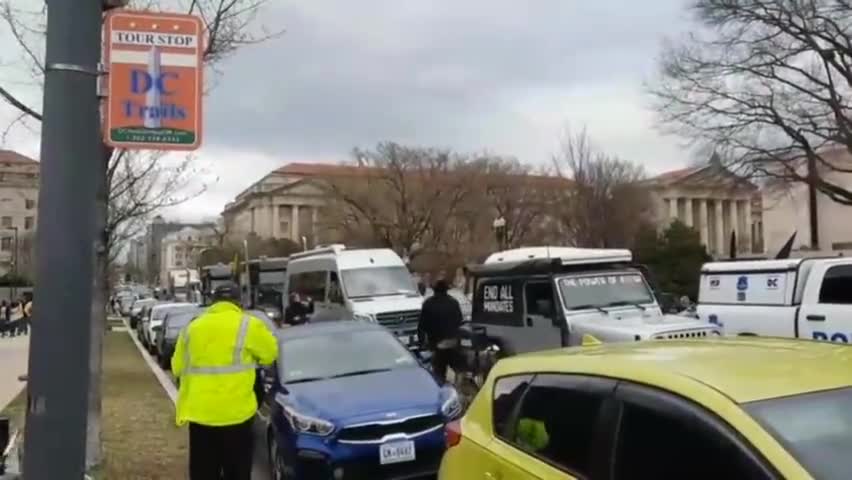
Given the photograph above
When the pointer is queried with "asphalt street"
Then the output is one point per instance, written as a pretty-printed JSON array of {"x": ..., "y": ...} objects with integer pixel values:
[{"x": 14, "y": 354}]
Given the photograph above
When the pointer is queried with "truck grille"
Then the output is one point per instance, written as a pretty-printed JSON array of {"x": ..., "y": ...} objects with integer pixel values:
[
  {"x": 683, "y": 335},
  {"x": 404, "y": 320},
  {"x": 375, "y": 432}
]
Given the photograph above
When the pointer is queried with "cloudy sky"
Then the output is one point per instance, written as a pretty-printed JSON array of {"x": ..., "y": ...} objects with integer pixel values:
[{"x": 502, "y": 75}]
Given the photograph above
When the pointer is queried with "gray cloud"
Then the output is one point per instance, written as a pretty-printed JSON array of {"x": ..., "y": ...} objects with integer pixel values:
[{"x": 354, "y": 73}]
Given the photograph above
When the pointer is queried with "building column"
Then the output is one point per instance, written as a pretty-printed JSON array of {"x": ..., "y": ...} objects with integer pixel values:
[
  {"x": 720, "y": 228},
  {"x": 294, "y": 224},
  {"x": 704, "y": 223},
  {"x": 672, "y": 209},
  {"x": 688, "y": 212},
  {"x": 748, "y": 225},
  {"x": 735, "y": 224},
  {"x": 314, "y": 219},
  {"x": 276, "y": 221}
]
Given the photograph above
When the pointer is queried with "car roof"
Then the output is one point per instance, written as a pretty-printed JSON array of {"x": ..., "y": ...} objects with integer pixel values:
[
  {"x": 161, "y": 306},
  {"x": 744, "y": 369},
  {"x": 328, "y": 328}
]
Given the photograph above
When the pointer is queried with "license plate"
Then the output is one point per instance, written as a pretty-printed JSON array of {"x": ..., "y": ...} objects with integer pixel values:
[
  {"x": 396, "y": 452},
  {"x": 466, "y": 342}
]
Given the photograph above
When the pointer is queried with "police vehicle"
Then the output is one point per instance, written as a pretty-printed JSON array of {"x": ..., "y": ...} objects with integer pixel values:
[{"x": 796, "y": 298}]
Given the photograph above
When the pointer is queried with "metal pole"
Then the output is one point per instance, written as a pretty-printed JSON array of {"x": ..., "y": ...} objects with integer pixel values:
[
  {"x": 55, "y": 442},
  {"x": 15, "y": 265}
]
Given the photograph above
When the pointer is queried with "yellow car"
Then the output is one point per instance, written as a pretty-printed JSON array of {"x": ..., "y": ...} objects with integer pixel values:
[{"x": 727, "y": 408}]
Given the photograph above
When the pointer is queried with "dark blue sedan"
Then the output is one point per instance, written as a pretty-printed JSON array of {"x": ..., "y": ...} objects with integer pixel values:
[{"x": 349, "y": 401}]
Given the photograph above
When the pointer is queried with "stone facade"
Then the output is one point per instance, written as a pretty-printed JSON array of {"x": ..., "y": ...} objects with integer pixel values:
[
  {"x": 787, "y": 211},
  {"x": 182, "y": 249},
  {"x": 713, "y": 201},
  {"x": 19, "y": 186},
  {"x": 284, "y": 204}
]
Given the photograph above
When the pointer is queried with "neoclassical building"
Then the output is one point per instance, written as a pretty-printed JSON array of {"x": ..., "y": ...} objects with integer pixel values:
[
  {"x": 285, "y": 203},
  {"x": 713, "y": 201}
]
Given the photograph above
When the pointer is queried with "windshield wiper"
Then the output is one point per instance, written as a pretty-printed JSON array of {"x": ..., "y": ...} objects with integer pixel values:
[
  {"x": 306, "y": 379},
  {"x": 586, "y": 307},
  {"x": 361, "y": 372},
  {"x": 625, "y": 303}
]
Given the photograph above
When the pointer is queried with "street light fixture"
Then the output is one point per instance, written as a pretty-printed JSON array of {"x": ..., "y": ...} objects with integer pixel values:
[
  {"x": 14, "y": 291},
  {"x": 499, "y": 226}
]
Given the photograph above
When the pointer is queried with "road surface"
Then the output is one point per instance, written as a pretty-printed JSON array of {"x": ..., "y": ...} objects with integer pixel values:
[{"x": 14, "y": 354}]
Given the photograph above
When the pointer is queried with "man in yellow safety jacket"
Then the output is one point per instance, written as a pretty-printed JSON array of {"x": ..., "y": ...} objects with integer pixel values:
[{"x": 215, "y": 360}]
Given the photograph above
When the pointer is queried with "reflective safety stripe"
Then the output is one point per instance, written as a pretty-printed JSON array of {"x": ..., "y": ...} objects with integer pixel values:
[{"x": 236, "y": 365}]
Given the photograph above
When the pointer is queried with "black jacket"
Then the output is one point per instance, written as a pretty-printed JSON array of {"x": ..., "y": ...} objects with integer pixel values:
[{"x": 440, "y": 319}]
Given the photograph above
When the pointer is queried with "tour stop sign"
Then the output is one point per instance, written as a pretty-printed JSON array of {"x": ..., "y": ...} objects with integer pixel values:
[{"x": 154, "y": 81}]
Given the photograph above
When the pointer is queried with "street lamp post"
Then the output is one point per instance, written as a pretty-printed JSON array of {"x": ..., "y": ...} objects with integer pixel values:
[
  {"x": 14, "y": 290},
  {"x": 58, "y": 379},
  {"x": 499, "y": 226}
]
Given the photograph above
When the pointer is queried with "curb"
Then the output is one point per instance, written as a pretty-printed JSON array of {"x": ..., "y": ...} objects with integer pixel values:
[{"x": 161, "y": 376}]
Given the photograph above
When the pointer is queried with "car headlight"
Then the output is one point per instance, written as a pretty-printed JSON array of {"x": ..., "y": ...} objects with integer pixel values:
[
  {"x": 273, "y": 313},
  {"x": 302, "y": 423},
  {"x": 451, "y": 406},
  {"x": 363, "y": 317}
]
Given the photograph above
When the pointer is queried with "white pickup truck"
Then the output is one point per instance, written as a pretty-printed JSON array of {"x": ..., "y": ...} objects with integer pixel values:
[{"x": 796, "y": 298}]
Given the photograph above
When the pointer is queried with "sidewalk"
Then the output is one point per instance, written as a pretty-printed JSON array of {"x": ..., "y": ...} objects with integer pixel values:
[{"x": 14, "y": 354}]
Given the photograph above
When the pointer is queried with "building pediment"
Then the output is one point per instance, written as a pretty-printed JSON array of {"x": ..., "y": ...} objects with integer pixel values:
[{"x": 304, "y": 187}]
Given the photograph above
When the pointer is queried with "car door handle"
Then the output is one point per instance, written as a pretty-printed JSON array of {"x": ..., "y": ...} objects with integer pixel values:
[
  {"x": 816, "y": 318},
  {"x": 492, "y": 476}
]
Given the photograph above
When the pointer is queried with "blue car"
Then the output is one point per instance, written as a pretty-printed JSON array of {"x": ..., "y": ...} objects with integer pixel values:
[{"x": 349, "y": 401}]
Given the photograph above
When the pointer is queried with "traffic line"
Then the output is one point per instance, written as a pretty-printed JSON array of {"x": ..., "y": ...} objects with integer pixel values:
[{"x": 162, "y": 377}]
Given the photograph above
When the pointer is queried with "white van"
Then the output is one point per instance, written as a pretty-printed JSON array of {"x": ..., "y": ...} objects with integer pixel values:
[
  {"x": 361, "y": 284},
  {"x": 796, "y": 298}
]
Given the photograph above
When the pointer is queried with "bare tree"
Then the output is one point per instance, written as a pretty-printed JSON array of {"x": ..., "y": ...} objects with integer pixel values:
[
  {"x": 400, "y": 196},
  {"x": 135, "y": 185},
  {"x": 524, "y": 199},
  {"x": 767, "y": 82},
  {"x": 606, "y": 202}
]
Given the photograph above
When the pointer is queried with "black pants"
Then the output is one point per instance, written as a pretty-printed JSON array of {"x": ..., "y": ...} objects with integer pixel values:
[
  {"x": 221, "y": 453},
  {"x": 441, "y": 359}
]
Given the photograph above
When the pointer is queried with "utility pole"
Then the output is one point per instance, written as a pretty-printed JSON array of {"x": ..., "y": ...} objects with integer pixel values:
[{"x": 55, "y": 443}]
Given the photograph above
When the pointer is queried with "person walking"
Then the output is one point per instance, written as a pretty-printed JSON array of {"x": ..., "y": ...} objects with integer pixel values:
[
  {"x": 27, "y": 312},
  {"x": 215, "y": 359},
  {"x": 438, "y": 329},
  {"x": 4, "y": 320}
]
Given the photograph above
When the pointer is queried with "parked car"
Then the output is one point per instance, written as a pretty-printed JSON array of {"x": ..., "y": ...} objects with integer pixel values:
[
  {"x": 155, "y": 321},
  {"x": 797, "y": 298},
  {"x": 348, "y": 400},
  {"x": 138, "y": 308},
  {"x": 125, "y": 301},
  {"x": 167, "y": 336},
  {"x": 724, "y": 408}
]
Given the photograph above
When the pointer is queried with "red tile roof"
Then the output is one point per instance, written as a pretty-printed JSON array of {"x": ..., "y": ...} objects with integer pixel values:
[
  {"x": 9, "y": 156},
  {"x": 327, "y": 169},
  {"x": 323, "y": 169},
  {"x": 675, "y": 175}
]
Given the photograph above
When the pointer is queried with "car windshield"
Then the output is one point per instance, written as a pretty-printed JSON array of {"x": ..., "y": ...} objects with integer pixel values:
[
  {"x": 160, "y": 313},
  {"x": 816, "y": 428},
  {"x": 269, "y": 296},
  {"x": 377, "y": 281},
  {"x": 604, "y": 290},
  {"x": 176, "y": 321},
  {"x": 338, "y": 354}
]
